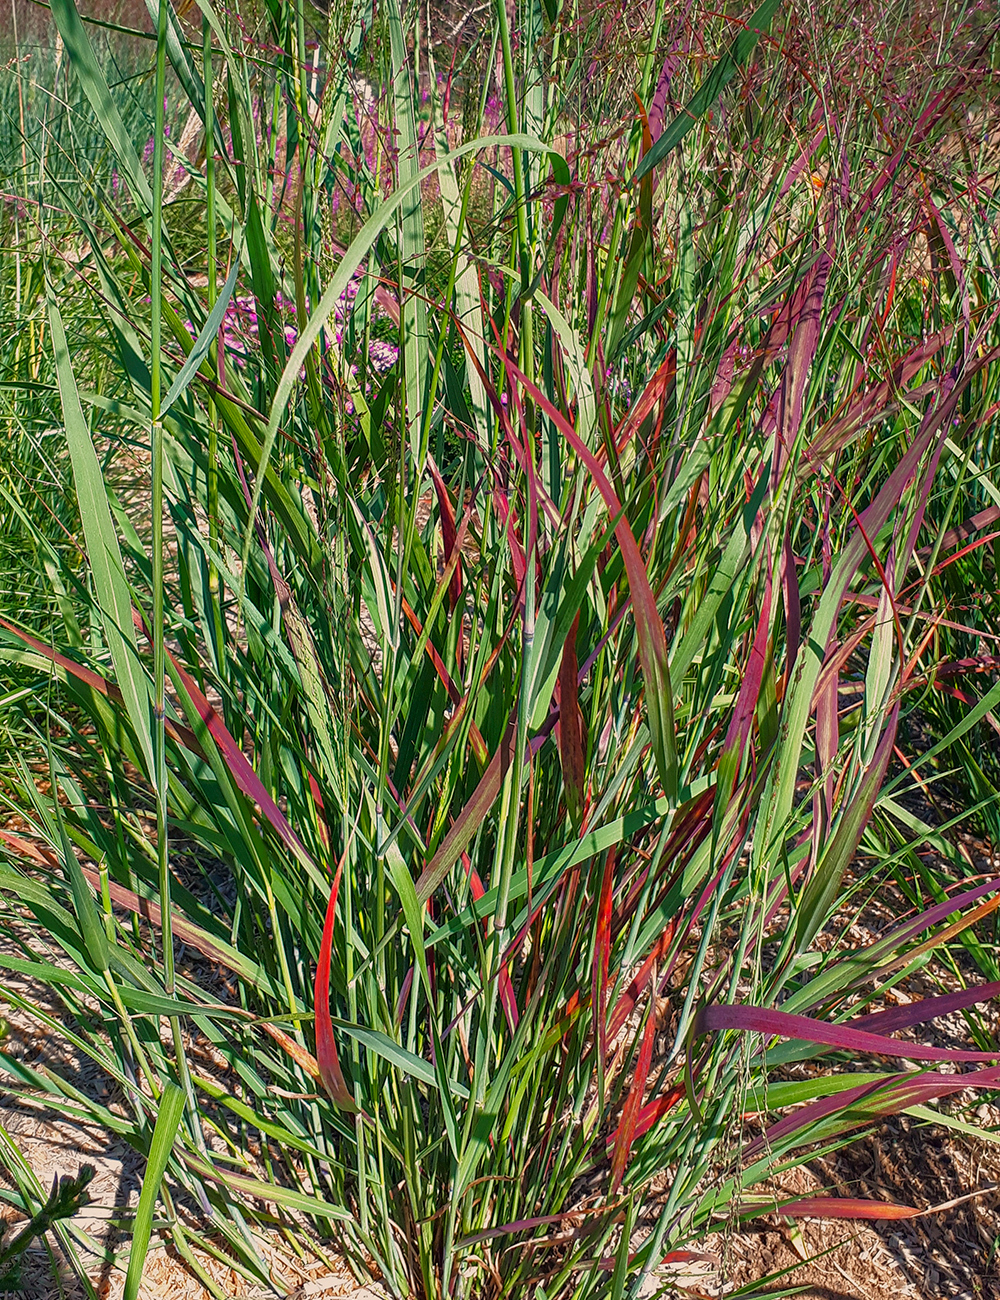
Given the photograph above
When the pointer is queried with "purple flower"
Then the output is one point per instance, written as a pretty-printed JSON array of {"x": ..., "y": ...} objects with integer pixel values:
[{"x": 382, "y": 355}]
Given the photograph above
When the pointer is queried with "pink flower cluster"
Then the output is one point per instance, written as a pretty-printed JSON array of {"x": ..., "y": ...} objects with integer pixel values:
[{"x": 240, "y": 331}]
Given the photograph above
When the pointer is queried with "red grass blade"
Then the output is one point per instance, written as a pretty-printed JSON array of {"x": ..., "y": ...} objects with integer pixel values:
[
  {"x": 654, "y": 395},
  {"x": 633, "y": 1103},
  {"x": 649, "y": 625},
  {"x": 175, "y": 730},
  {"x": 239, "y": 765},
  {"x": 326, "y": 1049},
  {"x": 872, "y": 403},
  {"x": 652, "y": 1112},
  {"x": 449, "y": 532},
  {"x": 454, "y": 694},
  {"x": 626, "y": 1004},
  {"x": 507, "y": 998},
  {"x": 841, "y": 1207},
  {"x": 602, "y": 953},
  {"x": 570, "y": 729},
  {"x": 746, "y": 702}
]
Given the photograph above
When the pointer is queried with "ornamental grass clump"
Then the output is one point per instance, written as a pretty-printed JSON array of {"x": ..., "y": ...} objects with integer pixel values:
[{"x": 475, "y": 690}]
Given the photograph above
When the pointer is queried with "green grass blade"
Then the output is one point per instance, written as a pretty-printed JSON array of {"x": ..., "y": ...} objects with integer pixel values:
[
  {"x": 712, "y": 87},
  {"x": 168, "y": 1117},
  {"x": 103, "y": 551},
  {"x": 202, "y": 343},
  {"x": 360, "y": 247},
  {"x": 81, "y": 55}
]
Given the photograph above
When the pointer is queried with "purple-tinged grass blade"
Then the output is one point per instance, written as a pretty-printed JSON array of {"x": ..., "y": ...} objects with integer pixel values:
[
  {"x": 237, "y": 762},
  {"x": 801, "y": 317},
  {"x": 738, "y": 732},
  {"x": 526, "y": 1225},
  {"x": 793, "y": 605},
  {"x": 820, "y": 892},
  {"x": 175, "y": 730},
  {"x": 602, "y": 953},
  {"x": 907, "y": 611},
  {"x": 186, "y": 931},
  {"x": 784, "y": 1024},
  {"x": 449, "y": 532},
  {"x": 748, "y": 34},
  {"x": 974, "y": 524},
  {"x": 935, "y": 111},
  {"x": 609, "y": 1262},
  {"x": 506, "y": 987},
  {"x": 678, "y": 44},
  {"x": 454, "y": 694},
  {"x": 950, "y": 931},
  {"x": 873, "y": 403},
  {"x": 470, "y": 818},
  {"x": 868, "y": 1101},
  {"x": 918, "y": 1013},
  {"x": 799, "y": 698},
  {"x": 827, "y": 699},
  {"x": 803, "y": 313},
  {"x": 897, "y": 941}
]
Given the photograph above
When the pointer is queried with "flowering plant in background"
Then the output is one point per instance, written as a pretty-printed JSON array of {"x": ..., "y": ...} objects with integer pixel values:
[{"x": 240, "y": 342}]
